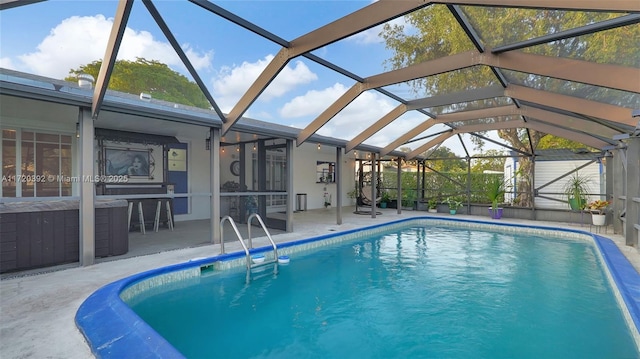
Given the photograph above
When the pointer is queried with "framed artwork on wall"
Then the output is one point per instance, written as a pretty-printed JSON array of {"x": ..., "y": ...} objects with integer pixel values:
[{"x": 126, "y": 161}]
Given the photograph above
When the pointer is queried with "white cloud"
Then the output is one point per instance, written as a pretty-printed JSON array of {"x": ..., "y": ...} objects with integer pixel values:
[
  {"x": 199, "y": 61},
  {"x": 397, "y": 128},
  {"x": 262, "y": 115},
  {"x": 233, "y": 82},
  {"x": 79, "y": 40},
  {"x": 289, "y": 78},
  {"x": 312, "y": 103},
  {"x": 7, "y": 63},
  {"x": 370, "y": 36},
  {"x": 366, "y": 109}
]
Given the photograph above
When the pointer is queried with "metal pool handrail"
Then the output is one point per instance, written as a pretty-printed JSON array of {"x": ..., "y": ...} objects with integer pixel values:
[
  {"x": 244, "y": 246},
  {"x": 235, "y": 229},
  {"x": 273, "y": 244},
  {"x": 266, "y": 231}
]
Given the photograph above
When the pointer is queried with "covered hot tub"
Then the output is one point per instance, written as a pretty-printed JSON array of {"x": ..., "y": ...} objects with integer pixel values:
[{"x": 36, "y": 234}]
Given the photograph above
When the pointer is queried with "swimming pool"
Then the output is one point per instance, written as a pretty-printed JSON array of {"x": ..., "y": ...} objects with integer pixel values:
[{"x": 448, "y": 259}]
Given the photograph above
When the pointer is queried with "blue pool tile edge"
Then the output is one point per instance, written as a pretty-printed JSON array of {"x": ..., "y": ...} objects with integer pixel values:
[
  {"x": 113, "y": 330},
  {"x": 624, "y": 275}
]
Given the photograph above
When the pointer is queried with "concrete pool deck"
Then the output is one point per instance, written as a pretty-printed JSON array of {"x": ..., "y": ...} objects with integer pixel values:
[{"x": 37, "y": 310}]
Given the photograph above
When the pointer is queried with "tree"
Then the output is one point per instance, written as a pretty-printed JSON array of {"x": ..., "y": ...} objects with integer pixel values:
[
  {"x": 493, "y": 160},
  {"x": 437, "y": 34},
  {"x": 549, "y": 141},
  {"x": 149, "y": 76},
  {"x": 445, "y": 160}
]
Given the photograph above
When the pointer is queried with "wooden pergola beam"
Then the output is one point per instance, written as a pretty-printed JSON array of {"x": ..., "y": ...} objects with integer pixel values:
[
  {"x": 603, "y": 75},
  {"x": 377, "y": 126},
  {"x": 572, "y": 104},
  {"x": 534, "y": 125},
  {"x": 367, "y": 17},
  {"x": 584, "y": 5}
]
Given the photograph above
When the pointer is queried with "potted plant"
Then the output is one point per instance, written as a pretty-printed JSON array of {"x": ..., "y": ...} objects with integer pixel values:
[
  {"x": 354, "y": 194},
  {"x": 495, "y": 192},
  {"x": 251, "y": 204},
  {"x": 576, "y": 189},
  {"x": 432, "y": 206},
  {"x": 384, "y": 199},
  {"x": 327, "y": 200},
  {"x": 408, "y": 200},
  {"x": 598, "y": 209},
  {"x": 454, "y": 204}
]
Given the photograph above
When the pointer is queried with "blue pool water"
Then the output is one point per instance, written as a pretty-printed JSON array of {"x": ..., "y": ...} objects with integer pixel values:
[{"x": 434, "y": 292}]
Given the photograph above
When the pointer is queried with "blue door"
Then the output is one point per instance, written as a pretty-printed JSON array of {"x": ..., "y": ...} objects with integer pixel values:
[{"x": 178, "y": 175}]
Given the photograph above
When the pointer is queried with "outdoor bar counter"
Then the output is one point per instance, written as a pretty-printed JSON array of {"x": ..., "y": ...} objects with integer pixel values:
[{"x": 36, "y": 234}]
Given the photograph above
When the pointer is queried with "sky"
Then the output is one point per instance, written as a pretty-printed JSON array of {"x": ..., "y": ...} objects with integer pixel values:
[{"x": 52, "y": 37}]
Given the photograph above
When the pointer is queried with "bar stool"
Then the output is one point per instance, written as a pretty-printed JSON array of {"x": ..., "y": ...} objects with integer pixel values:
[
  {"x": 156, "y": 222},
  {"x": 140, "y": 216}
]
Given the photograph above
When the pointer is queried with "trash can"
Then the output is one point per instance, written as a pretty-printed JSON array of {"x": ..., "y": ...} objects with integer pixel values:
[{"x": 301, "y": 202}]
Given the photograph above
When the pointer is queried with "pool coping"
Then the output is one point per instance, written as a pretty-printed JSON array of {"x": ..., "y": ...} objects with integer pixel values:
[{"x": 113, "y": 330}]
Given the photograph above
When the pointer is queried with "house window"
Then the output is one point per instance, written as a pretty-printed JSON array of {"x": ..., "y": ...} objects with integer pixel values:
[
  {"x": 35, "y": 164},
  {"x": 8, "y": 163}
]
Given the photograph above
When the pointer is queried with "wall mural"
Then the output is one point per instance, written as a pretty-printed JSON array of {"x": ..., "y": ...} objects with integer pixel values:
[{"x": 131, "y": 162}]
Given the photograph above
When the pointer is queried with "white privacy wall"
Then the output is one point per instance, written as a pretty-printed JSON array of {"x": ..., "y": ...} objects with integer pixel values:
[{"x": 547, "y": 171}]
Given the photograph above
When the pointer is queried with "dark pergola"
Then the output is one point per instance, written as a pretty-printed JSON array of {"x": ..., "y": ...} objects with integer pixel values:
[{"x": 588, "y": 121}]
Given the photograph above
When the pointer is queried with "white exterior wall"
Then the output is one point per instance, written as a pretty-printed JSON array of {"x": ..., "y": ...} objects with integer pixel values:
[
  {"x": 304, "y": 164},
  {"x": 305, "y": 176},
  {"x": 43, "y": 117},
  {"x": 39, "y": 115},
  {"x": 62, "y": 119}
]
